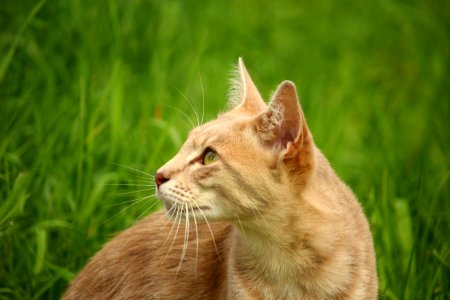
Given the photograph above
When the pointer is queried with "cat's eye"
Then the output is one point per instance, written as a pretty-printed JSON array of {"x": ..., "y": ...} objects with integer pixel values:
[{"x": 209, "y": 156}]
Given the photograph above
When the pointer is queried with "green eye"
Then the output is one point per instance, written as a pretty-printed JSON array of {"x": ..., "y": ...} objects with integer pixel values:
[{"x": 209, "y": 156}]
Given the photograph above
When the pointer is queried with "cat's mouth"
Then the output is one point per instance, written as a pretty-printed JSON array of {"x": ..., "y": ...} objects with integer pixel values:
[{"x": 174, "y": 208}]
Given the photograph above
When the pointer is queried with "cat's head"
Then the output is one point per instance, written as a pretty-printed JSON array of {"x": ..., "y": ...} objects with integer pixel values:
[{"x": 245, "y": 162}]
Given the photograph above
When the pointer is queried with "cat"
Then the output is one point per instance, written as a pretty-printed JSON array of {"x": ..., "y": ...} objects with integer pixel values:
[{"x": 257, "y": 213}]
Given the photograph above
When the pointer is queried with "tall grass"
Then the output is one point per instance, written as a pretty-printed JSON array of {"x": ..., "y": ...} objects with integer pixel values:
[{"x": 87, "y": 87}]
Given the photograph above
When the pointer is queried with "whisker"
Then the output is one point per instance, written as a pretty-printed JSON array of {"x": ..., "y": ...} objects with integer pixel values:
[
  {"x": 140, "y": 199},
  {"x": 186, "y": 237},
  {"x": 181, "y": 112},
  {"x": 209, "y": 227},
  {"x": 254, "y": 208},
  {"x": 167, "y": 219},
  {"x": 185, "y": 124},
  {"x": 240, "y": 225},
  {"x": 150, "y": 178},
  {"x": 191, "y": 105},
  {"x": 173, "y": 225},
  {"x": 141, "y": 206},
  {"x": 141, "y": 181},
  {"x": 176, "y": 232},
  {"x": 196, "y": 239},
  {"x": 133, "y": 169},
  {"x": 137, "y": 201},
  {"x": 137, "y": 191},
  {"x": 129, "y": 184},
  {"x": 167, "y": 213},
  {"x": 203, "y": 96},
  {"x": 134, "y": 200},
  {"x": 147, "y": 209}
]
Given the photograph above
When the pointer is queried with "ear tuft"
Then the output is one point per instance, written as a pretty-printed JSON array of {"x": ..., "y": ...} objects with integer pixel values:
[
  {"x": 237, "y": 86},
  {"x": 243, "y": 94}
]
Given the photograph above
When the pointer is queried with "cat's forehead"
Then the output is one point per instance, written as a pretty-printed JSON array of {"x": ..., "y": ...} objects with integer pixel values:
[
  {"x": 216, "y": 131},
  {"x": 209, "y": 130}
]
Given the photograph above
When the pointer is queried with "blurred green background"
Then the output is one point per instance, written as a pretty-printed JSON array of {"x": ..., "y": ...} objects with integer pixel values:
[{"x": 88, "y": 87}]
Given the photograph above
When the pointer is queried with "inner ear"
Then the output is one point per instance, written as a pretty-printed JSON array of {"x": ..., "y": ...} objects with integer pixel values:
[
  {"x": 243, "y": 95},
  {"x": 281, "y": 123}
]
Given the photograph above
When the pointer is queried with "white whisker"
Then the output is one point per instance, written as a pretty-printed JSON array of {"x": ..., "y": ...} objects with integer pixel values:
[
  {"x": 240, "y": 225},
  {"x": 192, "y": 106},
  {"x": 186, "y": 237},
  {"x": 167, "y": 220},
  {"x": 134, "y": 219},
  {"x": 134, "y": 200},
  {"x": 137, "y": 201},
  {"x": 203, "y": 97},
  {"x": 150, "y": 178},
  {"x": 173, "y": 224},
  {"x": 185, "y": 124},
  {"x": 168, "y": 212},
  {"x": 147, "y": 209},
  {"x": 136, "y": 191},
  {"x": 176, "y": 231},
  {"x": 133, "y": 169},
  {"x": 254, "y": 208},
  {"x": 209, "y": 227},
  {"x": 129, "y": 184},
  {"x": 197, "y": 241},
  {"x": 140, "y": 181},
  {"x": 181, "y": 112}
]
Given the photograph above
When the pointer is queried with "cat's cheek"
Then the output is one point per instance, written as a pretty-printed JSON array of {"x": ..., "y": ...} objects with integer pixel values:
[{"x": 209, "y": 199}]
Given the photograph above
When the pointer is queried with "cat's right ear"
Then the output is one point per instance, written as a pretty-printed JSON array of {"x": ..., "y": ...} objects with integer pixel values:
[
  {"x": 243, "y": 93},
  {"x": 282, "y": 125}
]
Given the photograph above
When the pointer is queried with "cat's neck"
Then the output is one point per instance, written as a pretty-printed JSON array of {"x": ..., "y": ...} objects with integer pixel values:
[
  {"x": 273, "y": 245},
  {"x": 262, "y": 261},
  {"x": 289, "y": 249}
]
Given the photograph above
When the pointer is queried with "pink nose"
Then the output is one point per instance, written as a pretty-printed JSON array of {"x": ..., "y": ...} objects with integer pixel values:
[{"x": 160, "y": 179}]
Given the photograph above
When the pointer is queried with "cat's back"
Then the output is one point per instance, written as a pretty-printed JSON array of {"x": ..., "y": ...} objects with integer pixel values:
[{"x": 146, "y": 262}]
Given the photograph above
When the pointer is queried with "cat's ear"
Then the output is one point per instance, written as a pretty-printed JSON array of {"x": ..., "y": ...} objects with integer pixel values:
[
  {"x": 282, "y": 125},
  {"x": 243, "y": 93}
]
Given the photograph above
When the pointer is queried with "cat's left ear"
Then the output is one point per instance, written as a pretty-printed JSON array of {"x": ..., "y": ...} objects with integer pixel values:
[
  {"x": 243, "y": 95},
  {"x": 282, "y": 126}
]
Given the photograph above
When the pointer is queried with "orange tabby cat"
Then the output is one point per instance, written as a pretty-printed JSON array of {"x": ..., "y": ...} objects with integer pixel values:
[{"x": 283, "y": 225}]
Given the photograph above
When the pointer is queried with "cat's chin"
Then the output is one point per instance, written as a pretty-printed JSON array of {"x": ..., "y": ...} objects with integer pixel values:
[{"x": 176, "y": 210}]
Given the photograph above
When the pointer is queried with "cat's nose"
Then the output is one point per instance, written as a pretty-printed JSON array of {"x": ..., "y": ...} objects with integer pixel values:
[{"x": 160, "y": 178}]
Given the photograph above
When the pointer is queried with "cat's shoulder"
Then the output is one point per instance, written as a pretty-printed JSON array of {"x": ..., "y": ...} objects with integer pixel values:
[
  {"x": 147, "y": 255},
  {"x": 156, "y": 230}
]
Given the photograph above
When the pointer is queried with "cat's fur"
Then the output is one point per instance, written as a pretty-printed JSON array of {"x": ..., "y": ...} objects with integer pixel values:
[{"x": 283, "y": 225}]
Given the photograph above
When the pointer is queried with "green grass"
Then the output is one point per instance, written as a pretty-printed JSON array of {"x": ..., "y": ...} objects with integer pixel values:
[{"x": 87, "y": 86}]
